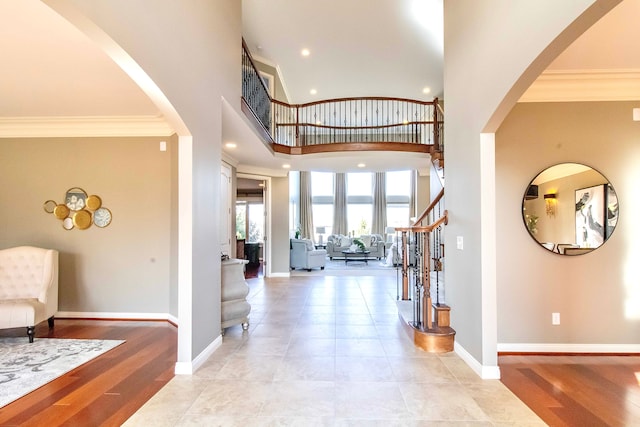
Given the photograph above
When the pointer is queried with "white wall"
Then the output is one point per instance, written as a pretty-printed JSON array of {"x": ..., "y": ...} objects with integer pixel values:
[{"x": 597, "y": 294}]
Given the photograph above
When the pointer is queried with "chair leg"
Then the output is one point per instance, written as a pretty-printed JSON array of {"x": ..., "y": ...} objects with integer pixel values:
[
  {"x": 30, "y": 332},
  {"x": 50, "y": 321}
]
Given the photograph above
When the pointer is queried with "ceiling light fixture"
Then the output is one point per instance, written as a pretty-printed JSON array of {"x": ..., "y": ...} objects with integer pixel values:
[
  {"x": 286, "y": 166},
  {"x": 305, "y": 52},
  {"x": 361, "y": 165},
  {"x": 313, "y": 91},
  {"x": 230, "y": 145},
  {"x": 426, "y": 90}
]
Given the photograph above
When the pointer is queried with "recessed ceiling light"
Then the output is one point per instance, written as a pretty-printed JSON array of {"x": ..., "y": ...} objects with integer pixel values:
[
  {"x": 230, "y": 145},
  {"x": 286, "y": 166},
  {"x": 305, "y": 52},
  {"x": 426, "y": 90},
  {"x": 361, "y": 165},
  {"x": 313, "y": 91}
]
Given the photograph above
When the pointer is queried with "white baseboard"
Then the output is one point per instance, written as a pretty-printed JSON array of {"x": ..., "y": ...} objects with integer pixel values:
[
  {"x": 567, "y": 348},
  {"x": 484, "y": 372},
  {"x": 188, "y": 368},
  {"x": 173, "y": 319},
  {"x": 115, "y": 315},
  {"x": 287, "y": 274}
]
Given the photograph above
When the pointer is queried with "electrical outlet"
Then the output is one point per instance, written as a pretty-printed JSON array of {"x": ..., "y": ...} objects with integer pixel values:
[{"x": 555, "y": 318}]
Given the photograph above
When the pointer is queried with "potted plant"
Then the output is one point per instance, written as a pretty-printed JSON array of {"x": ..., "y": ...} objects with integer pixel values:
[{"x": 359, "y": 244}]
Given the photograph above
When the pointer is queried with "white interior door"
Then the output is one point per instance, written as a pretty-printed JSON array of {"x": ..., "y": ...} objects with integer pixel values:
[{"x": 225, "y": 209}]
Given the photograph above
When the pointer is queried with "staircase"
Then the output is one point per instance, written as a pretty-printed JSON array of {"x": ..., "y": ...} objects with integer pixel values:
[{"x": 422, "y": 306}]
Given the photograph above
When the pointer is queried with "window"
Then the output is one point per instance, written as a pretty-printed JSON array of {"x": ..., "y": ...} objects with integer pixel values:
[
  {"x": 398, "y": 185},
  {"x": 256, "y": 223},
  {"x": 250, "y": 221},
  {"x": 359, "y": 218},
  {"x": 323, "y": 217},
  {"x": 359, "y": 184},
  {"x": 322, "y": 201},
  {"x": 241, "y": 220},
  {"x": 360, "y": 200},
  {"x": 322, "y": 184}
]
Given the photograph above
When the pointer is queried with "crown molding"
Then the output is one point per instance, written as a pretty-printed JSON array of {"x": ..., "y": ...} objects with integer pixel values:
[
  {"x": 585, "y": 85},
  {"x": 84, "y": 126}
]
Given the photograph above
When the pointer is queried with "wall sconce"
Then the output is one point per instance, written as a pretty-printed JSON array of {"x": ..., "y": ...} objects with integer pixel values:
[
  {"x": 636, "y": 114},
  {"x": 550, "y": 202}
]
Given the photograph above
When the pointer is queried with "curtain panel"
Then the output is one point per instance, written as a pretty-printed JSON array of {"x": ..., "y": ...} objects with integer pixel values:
[
  {"x": 306, "y": 207},
  {"x": 379, "y": 222},
  {"x": 340, "y": 204}
]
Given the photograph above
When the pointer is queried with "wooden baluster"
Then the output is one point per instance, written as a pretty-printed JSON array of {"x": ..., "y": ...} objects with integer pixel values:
[{"x": 426, "y": 302}]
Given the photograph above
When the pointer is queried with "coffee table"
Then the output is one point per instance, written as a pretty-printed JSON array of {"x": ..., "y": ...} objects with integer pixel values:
[{"x": 350, "y": 255}]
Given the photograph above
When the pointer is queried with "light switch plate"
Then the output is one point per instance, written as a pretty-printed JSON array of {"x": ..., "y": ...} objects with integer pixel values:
[{"x": 459, "y": 242}]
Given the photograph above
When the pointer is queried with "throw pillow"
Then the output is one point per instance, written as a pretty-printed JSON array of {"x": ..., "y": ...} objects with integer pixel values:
[
  {"x": 309, "y": 244},
  {"x": 345, "y": 241},
  {"x": 366, "y": 240}
]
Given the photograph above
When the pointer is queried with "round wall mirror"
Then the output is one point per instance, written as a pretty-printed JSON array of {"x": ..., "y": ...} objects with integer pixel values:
[{"x": 570, "y": 209}]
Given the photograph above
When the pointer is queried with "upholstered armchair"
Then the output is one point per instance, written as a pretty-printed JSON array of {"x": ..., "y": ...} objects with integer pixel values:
[
  {"x": 303, "y": 254},
  {"x": 28, "y": 287}
]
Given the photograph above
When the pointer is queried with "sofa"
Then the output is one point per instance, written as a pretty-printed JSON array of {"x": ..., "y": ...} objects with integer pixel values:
[
  {"x": 372, "y": 242},
  {"x": 304, "y": 255},
  {"x": 394, "y": 253},
  {"x": 28, "y": 287}
]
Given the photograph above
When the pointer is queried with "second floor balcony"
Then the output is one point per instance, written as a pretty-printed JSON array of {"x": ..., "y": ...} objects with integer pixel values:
[{"x": 346, "y": 124}]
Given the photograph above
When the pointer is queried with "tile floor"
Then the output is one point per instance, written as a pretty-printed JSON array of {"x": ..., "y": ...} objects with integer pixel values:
[{"x": 330, "y": 351}]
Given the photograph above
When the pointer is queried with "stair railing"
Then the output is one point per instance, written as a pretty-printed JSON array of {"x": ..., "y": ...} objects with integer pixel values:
[
  {"x": 339, "y": 121},
  {"x": 422, "y": 253}
]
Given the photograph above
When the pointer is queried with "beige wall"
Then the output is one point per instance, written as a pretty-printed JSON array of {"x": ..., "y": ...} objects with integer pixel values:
[
  {"x": 191, "y": 51},
  {"x": 278, "y": 89},
  {"x": 494, "y": 49},
  {"x": 597, "y": 294},
  {"x": 126, "y": 267},
  {"x": 423, "y": 193},
  {"x": 280, "y": 226}
]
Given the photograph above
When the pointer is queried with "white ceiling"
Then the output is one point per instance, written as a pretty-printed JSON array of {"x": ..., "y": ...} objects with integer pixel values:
[{"x": 358, "y": 48}]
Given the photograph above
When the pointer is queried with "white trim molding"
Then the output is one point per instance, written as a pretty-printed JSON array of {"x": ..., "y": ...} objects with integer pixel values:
[
  {"x": 90, "y": 126},
  {"x": 584, "y": 85},
  {"x": 188, "y": 368},
  {"x": 279, "y": 274},
  {"x": 567, "y": 348},
  {"x": 484, "y": 372},
  {"x": 116, "y": 315}
]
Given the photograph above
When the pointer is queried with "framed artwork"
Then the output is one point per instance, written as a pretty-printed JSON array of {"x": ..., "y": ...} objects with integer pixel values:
[
  {"x": 590, "y": 216},
  {"x": 611, "y": 211}
]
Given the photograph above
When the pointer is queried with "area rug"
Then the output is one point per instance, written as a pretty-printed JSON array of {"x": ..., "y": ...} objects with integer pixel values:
[
  {"x": 337, "y": 267},
  {"x": 26, "y": 366}
]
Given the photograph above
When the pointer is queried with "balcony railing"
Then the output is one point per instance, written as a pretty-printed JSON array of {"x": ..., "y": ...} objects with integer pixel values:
[{"x": 345, "y": 120}]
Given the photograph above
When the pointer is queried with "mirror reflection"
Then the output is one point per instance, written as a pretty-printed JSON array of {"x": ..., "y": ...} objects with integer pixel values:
[{"x": 570, "y": 209}]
